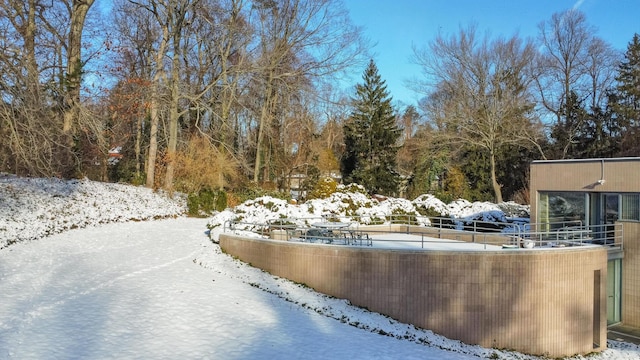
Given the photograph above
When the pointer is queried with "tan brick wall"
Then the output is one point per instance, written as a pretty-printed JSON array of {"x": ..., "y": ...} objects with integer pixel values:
[
  {"x": 631, "y": 274},
  {"x": 534, "y": 301}
]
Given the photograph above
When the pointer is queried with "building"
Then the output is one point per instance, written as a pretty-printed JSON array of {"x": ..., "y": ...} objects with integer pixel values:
[
  {"x": 555, "y": 299},
  {"x": 601, "y": 196}
]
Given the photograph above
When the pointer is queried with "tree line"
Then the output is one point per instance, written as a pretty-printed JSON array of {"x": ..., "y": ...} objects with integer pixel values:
[
  {"x": 495, "y": 104},
  {"x": 196, "y": 95}
]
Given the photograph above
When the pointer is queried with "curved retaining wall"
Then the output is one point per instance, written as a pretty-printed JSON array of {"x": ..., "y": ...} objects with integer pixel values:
[{"x": 546, "y": 302}]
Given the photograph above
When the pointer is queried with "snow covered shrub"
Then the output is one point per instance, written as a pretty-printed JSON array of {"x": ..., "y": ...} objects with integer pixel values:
[
  {"x": 251, "y": 193},
  {"x": 513, "y": 209},
  {"x": 352, "y": 188},
  {"x": 400, "y": 211},
  {"x": 373, "y": 221},
  {"x": 351, "y": 203},
  {"x": 32, "y": 208},
  {"x": 323, "y": 188},
  {"x": 429, "y": 205},
  {"x": 399, "y": 216},
  {"x": 266, "y": 202}
]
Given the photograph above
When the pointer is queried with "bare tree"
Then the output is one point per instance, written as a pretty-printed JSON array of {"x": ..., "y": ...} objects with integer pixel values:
[
  {"x": 300, "y": 41},
  {"x": 132, "y": 66},
  {"x": 42, "y": 63},
  {"x": 242, "y": 73},
  {"x": 171, "y": 17},
  {"x": 21, "y": 93},
  {"x": 231, "y": 65},
  {"x": 482, "y": 95},
  {"x": 200, "y": 50},
  {"x": 599, "y": 66},
  {"x": 217, "y": 65},
  {"x": 408, "y": 122},
  {"x": 564, "y": 40},
  {"x": 574, "y": 67},
  {"x": 156, "y": 93}
]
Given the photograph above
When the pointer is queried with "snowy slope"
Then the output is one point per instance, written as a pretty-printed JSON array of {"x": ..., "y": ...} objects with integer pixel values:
[{"x": 31, "y": 208}]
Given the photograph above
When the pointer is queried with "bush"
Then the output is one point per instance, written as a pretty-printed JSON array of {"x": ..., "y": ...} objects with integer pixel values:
[
  {"x": 399, "y": 216},
  {"x": 353, "y": 188},
  {"x": 323, "y": 188},
  {"x": 201, "y": 165},
  {"x": 250, "y": 193},
  {"x": 429, "y": 212},
  {"x": 206, "y": 201}
]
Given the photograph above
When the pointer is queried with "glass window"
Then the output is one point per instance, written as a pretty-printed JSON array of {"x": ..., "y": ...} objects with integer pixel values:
[
  {"x": 630, "y": 207},
  {"x": 611, "y": 208},
  {"x": 561, "y": 209}
]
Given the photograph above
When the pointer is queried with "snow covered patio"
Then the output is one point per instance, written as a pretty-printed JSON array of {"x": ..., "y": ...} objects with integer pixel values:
[{"x": 398, "y": 241}]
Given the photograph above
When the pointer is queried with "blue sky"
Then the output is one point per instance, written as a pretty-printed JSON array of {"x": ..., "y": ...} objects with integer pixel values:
[{"x": 395, "y": 25}]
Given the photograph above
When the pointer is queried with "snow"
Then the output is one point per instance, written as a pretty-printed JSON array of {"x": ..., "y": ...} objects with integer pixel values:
[
  {"x": 350, "y": 204},
  {"x": 89, "y": 284},
  {"x": 31, "y": 208},
  {"x": 416, "y": 242}
]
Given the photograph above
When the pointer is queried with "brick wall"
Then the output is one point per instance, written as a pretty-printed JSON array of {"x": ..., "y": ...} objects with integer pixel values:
[
  {"x": 547, "y": 302},
  {"x": 631, "y": 274}
]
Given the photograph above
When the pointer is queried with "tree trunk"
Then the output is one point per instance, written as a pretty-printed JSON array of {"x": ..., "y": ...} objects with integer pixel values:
[
  {"x": 74, "y": 64},
  {"x": 263, "y": 124},
  {"x": 174, "y": 113},
  {"x": 138, "y": 145},
  {"x": 153, "y": 142},
  {"x": 155, "y": 108},
  {"x": 30, "y": 52},
  {"x": 172, "y": 144},
  {"x": 73, "y": 79},
  {"x": 497, "y": 190}
]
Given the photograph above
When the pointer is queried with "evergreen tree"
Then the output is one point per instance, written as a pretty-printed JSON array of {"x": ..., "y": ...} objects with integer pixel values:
[
  {"x": 370, "y": 137},
  {"x": 600, "y": 135},
  {"x": 626, "y": 103},
  {"x": 566, "y": 133}
]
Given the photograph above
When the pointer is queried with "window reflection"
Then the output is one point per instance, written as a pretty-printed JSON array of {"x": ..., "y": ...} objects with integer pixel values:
[
  {"x": 630, "y": 207},
  {"x": 561, "y": 209}
]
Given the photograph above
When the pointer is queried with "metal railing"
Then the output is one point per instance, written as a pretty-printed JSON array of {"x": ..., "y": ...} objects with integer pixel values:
[
  {"x": 609, "y": 235},
  {"x": 517, "y": 233}
]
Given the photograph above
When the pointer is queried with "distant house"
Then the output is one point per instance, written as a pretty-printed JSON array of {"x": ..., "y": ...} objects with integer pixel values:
[
  {"x": 296, "y": 182},
  {"x": 115, "y": 154},
  {"x": 601, "y": 195}
]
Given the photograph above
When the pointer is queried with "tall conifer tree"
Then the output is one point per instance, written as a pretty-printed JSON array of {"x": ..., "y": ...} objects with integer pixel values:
[
  {"x": 626, "y": 103},
  {"x": 371, "y": 137}
]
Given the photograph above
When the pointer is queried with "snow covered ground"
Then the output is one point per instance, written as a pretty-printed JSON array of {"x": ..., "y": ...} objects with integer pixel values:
[
  {"x": 161, "y": 290},
  {"x": 31, "y": 208}
]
